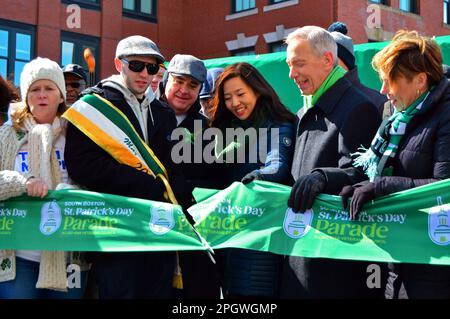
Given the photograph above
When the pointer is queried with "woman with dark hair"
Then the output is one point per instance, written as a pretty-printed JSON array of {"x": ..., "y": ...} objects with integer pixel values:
[
  {"x": 247, "y": 110},
  {"x": 8, "y": 94},
  {"x": 411, "y": 148},
  {"x": 244, "y": 99}
]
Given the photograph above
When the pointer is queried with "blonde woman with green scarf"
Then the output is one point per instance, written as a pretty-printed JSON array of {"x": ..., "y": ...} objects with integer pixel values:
[{"x": 410, "y": 149}]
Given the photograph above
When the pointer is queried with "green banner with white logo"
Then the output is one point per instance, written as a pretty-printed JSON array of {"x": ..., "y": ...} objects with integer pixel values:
[
  {"x": 87, "y": 221},
  {"x": 411, "y": 226}
]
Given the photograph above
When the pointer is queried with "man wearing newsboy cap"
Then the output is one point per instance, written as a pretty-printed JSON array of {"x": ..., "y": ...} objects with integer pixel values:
[
  {"x": 181, "y": 87},
  {"x": 125, "y": 274}
]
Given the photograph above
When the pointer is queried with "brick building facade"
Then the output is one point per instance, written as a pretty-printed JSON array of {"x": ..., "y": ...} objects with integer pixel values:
[{"x": 205, "y": 28}]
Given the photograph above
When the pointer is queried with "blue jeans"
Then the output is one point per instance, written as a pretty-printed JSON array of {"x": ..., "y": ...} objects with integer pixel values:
[{"x": 24, "y": 285}]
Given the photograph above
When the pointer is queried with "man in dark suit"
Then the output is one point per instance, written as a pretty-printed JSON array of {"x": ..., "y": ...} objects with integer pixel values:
[{"x": 336, "y": 119}]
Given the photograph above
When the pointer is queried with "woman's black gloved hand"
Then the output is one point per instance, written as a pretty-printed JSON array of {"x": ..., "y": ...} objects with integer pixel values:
[
  {"x": 250, "y": 177},
  {"x": 361, "y": 194},
  {"x": 305, "y": 191}
]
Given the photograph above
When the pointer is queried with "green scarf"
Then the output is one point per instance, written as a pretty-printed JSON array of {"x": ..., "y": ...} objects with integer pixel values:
[
  {"x": 386, "y": 141},
  {"x": 335, "y": 75}
]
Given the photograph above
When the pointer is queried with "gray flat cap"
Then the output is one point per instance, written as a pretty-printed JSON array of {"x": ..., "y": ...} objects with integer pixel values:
[
  {"x": 139, "y": 46},
  {"x": 185, "y": 64}
]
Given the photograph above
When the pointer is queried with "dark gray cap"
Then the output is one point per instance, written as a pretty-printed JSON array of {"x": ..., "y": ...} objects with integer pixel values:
[
  {"x": 345, "y": 48},
  {"x": 185, "y": 64},
  {"x": 343, "y": 40},
  {"x": 76, "y": 70},
  {"x": 139, "y": 46},
  {"x": 209, "y": 85}
]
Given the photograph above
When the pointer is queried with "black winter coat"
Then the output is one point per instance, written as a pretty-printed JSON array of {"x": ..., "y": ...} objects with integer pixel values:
[
  {"x": 193, "y": 169},
  {"x": 374, "y": 96},
  {"x": 423, "y": 157},
  {"x": 92, "y": 167},
  {"x": 342, "y": 120}
]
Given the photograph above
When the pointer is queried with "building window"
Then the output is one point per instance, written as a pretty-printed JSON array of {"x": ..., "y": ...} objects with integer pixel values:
[
  {"x": 409, "y": 6},
  {"x": 16, "y": 49},
  {"x": 385, "y": 2},
  {"x": 242, "y": 5},
  {"x": 447, "y": 11},
  {"x": 279, "y": 46},
  {"x": 243, "y": 51},
  {"x": 140, "y": 9},
  {"x": 88, "y": 4},
  {"x": 72, "y": 51}
]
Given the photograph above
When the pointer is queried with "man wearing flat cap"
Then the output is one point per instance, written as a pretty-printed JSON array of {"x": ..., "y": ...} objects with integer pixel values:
[
  {"x": 89, "y": 164},
  {"x": 181, "y": 87}
]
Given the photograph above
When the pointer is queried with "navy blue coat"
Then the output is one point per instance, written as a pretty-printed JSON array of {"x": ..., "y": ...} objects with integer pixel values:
[
  {"x": 342, "y": 120},
  {"x": 423, "y": 157}
]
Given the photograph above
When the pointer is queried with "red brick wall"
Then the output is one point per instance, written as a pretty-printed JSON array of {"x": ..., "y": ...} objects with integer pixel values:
[
  {"x": 198, "y": 27},
  {"x": 208, "y": 30},
  {"x": 429, "y": 22},
  {"x": 19, "y": 10}
]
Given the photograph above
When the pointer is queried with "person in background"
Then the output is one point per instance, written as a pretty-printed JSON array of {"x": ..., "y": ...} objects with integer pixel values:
[
  {"x": 347, "y": 62},
  {"x": 244, "y": 99},
  {"x": 157, "y": 78},
  {"x": 446, "y": 69},
  {"x": 8, "y": 94},
  {"x": 336, "y": 119},
  {"x": 32, "y": 162},
  {"x": 410, "y": 68},
  {"x": 75, "y": 78},
  {"x": 207, "y": 91}
]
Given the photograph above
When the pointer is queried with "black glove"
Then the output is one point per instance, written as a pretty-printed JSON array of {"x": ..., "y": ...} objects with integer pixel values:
[
  {"x": 346, "y": 192},
  {"x": 305, "y": 190},
  {"x": 250, "y": 177},
  {"x": 361, "y": 196}
]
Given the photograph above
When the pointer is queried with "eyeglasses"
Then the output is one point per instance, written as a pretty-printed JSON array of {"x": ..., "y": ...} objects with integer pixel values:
[
  {"x": 138, "y": 66},
  {"x": 74, "y": 85}
]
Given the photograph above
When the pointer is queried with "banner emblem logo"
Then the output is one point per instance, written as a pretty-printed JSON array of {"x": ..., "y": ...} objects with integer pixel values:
[
  {"x": 161, "y": 218},
  {"x": 297, "y": 225},
  {"x": 439, "y": 223},
  {"x": 50, "y": 218}
]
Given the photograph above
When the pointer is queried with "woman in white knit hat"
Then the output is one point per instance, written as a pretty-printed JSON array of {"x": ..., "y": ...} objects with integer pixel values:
[{"x": 32, "y": 162}]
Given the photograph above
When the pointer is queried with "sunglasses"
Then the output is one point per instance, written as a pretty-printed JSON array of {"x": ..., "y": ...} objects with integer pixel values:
[
  {"x": 74, "y": 85},
  {"x": 138, "y": 66}
]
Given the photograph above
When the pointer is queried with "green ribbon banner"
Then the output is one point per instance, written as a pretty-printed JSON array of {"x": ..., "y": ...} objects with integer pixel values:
[
  {"x": 87, "y": 221},
  {"x": 410, "y": 226}
]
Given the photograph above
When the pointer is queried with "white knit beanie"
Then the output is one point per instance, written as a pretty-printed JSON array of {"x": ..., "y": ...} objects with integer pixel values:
[{"x": 41, "y": 69}]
